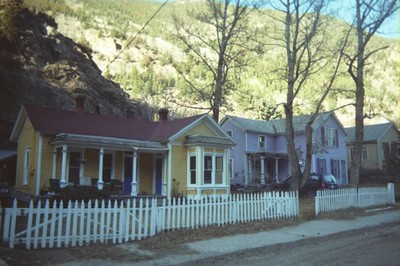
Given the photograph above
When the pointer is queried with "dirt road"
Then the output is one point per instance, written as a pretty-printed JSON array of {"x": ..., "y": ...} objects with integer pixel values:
[{"x": 378, "y": 245}]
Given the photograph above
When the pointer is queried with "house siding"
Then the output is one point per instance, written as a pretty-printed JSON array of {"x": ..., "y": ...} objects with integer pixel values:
[
  {"x": 331, "y": 153},
  {"x": 179, "y": 170},
  {"x": 376, "y": 159},
  {"x": 46, "y": 162},
  {"x": 237, "y": 153},
  {"x": 27, "y": 140},
  {"x": 248, "y": 143},
  {"x": 392, "y": 135}
]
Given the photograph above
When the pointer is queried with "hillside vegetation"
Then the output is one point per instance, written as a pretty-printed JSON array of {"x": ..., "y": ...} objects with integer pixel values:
[{"x": 143, "y": 64}]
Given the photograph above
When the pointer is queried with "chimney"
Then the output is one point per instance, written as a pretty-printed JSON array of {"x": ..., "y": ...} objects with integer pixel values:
[
  {"x": 163, "y": 114},
  {"x": 80, "y": 103}
]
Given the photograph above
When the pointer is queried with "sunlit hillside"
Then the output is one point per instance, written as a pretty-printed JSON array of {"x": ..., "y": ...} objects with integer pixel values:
[{"x": 143, "y": 64}]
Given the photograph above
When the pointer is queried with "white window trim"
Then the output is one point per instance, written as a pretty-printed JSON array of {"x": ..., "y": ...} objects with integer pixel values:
[
  {"x": 27, "y": 157},
  {"x": 191, "y": 154},
  {"x": 230, "y": 166},
  {"x": 362, "y": 151},
  {"x": 200, "y": 154},
  {"x": 214, "y": 156},
  {"x": 259, "y": 142}
]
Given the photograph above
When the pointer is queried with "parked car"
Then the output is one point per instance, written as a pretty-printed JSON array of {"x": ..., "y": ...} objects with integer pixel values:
[{"x": 315, "y": 182}]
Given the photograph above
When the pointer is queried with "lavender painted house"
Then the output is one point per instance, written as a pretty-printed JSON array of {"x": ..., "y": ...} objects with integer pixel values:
[{"x": 260, "y": 156}]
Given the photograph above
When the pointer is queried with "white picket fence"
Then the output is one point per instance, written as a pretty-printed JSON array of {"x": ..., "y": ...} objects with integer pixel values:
[
  {"x": 79, "y": 224},
  {"x": 331, "y": 200}
]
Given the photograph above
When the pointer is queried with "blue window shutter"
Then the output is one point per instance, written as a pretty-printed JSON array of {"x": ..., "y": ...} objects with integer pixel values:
[{"x": 322, "y": 135}]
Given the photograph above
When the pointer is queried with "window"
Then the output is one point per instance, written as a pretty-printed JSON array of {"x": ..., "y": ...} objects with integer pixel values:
[
  {"x": 107, "y": 167},
  {"x": 213, "y": 171},
  {"x": 208, "y": 168},
  {"x": 335, "y": 168},
  {"x": 329, "y": 137},
  {"x": 229, "y": 132},
  {"x": 321, "y": 166},
  {"x": 219, "y": 169},
  {"x": 192, "y": 167},
  {"x": 261, "y": 142},
  {"x": 364, "y": 154},
  {"x": 26, "y": 166}
]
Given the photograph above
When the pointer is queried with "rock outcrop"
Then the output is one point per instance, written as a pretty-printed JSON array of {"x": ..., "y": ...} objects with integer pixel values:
[{"x": 42, "y": 67}]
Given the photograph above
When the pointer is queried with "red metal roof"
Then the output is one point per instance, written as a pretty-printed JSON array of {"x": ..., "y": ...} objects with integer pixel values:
[{"x": 53, "y": 121}]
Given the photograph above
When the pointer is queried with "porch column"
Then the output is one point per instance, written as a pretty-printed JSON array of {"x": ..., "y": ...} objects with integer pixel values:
[
  {"x": 100, "y": 183},
  {"x": 262, "y": 178},
  {"x": 39, "y": 164},
  {"x": 63, "y": 181},
  {"x": 134, "y": 173},
  {"x": 54, "y": 170},
  {"x": 250, "y": 169},
  {"x": 164, "y": 181},
  {"x": 276, "y": 170}
]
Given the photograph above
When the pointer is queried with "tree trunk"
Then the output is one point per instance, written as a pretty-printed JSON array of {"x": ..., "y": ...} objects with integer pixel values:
[{"x": 360, "y": 94}]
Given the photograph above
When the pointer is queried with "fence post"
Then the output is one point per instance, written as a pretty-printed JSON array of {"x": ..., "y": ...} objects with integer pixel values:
[
  {"x": 390, "y": 190},
  {"x": 13, "y": 224},
  {"x": 317, "y": 199}
]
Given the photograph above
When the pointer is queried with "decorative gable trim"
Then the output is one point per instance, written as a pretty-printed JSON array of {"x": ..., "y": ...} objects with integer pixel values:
[
  {"x": 197, "y": 140},
  {"x": 19, "y": 124},
  {"x": 208, "y": 121}
]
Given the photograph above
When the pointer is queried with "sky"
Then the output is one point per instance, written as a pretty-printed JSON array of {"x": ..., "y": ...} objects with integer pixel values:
[
  {"x": 389, "y": 29},
  {"x": 346, "y": 11}
]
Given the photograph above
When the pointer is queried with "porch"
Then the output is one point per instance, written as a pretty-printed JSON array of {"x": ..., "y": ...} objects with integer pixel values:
[
  {"x": 133, "y": 167},
  {"x": 266, "y": 168}
]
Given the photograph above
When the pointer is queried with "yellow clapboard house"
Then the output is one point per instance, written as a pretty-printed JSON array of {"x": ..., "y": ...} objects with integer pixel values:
[{"x": 188, "y": 157}]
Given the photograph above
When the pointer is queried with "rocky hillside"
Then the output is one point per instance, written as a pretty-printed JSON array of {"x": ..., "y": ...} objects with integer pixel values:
[
  {"x": 145, "y": 64},
  {"x": 40, "y": 66}
]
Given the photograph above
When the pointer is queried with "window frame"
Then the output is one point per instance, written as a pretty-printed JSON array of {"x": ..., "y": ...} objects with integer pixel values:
[
  {"x": 264, "y": 142},
  {"x": 321, "y": 165},
  {"x": 330, "y": 136},
  {"x": 200, "y": 158},
  {"x": 364, "y": 153},
  {"x": 27, "y": 157}
]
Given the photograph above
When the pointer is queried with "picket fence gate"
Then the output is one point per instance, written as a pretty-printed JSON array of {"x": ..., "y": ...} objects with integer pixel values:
[
  {"x": 332, "y": 200},
  {"x": 79, "y": 223}
]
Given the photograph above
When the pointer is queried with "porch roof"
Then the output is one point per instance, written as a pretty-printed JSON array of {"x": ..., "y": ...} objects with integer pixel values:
[{"x": 107, "y": 141}]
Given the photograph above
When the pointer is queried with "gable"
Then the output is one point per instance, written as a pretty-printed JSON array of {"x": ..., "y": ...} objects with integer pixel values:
[
  {"x": 372, "y": 133},
  {"x": 278, "y": 126},
  {"x": 204, "y": 126}
]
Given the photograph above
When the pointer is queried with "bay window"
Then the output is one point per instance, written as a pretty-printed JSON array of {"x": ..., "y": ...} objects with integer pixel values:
[{"x": 212, "y": 172}]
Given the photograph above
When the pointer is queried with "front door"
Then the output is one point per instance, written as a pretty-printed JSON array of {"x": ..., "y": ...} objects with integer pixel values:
[
  {"x": 74, "y": 167},
  {"x": 158, "y": 174},
  {"x": 128, "y": 173}
]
